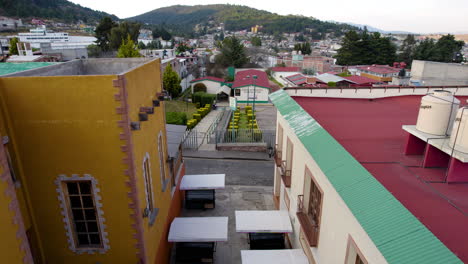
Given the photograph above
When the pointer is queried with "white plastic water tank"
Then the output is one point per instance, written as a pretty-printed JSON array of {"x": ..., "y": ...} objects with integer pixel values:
[
  {"x": 460, "y": 131},
  {"x": 437, "y": 112}
]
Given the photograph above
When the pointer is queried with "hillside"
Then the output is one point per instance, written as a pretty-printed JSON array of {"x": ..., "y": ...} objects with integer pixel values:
[
  {"x": 50, "y": 9},
  {"x": 238, "y": 18}
]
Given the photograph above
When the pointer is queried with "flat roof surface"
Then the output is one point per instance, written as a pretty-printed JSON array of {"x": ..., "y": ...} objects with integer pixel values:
[
  {"x": 203, "y": 182},
  {"x": 254, "y": 221},
  {"x": 174, "y": 133},
  {"x": 198, "y": 229},
  {"x": 371, "y": 131},
  {"x": 10, "y": 67},
  {"x": 281, "y": 256}
]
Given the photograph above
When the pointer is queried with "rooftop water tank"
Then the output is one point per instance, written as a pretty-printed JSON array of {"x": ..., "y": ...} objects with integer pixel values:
[
  {"x": 459, "y": 136},
  {"x": 437, "y": 112}
]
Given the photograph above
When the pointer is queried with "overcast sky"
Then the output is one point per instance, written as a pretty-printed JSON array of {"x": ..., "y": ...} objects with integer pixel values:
[{"x": 419, "y": 16}]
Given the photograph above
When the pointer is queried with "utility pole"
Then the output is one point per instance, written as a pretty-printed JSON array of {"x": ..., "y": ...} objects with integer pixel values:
[{"x": 255, "y": 88}]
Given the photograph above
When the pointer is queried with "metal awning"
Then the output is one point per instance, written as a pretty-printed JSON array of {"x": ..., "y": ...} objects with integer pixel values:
[
  {"x": 274, "y": 221},
  {"x": 281, "y": 256},
  {"x": 203, "y": 182},
  {"x": 198, "y": 229}
]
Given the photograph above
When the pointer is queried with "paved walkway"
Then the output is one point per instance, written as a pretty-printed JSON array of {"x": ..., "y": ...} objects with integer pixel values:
[
  {"x": 203, "y": 127},
  {"x": 233, "y": 198}
]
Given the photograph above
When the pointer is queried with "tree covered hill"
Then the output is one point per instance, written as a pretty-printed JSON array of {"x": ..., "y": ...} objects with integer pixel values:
[
  {"x": 237, "y": 17},
  {"x": 50, "y": 9}
]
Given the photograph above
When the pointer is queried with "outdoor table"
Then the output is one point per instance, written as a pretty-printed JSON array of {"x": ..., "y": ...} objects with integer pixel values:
[
  {"x": 200, "y": 189},
  {"x": 196, "y": 237},
  {"x": 282, "y": 256},
  {"x": 266, "y": 229}
]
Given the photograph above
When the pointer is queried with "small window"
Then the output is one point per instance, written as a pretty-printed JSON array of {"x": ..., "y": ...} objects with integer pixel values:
[
  {"x": 237, "y": 92},
  {"x": 83, "y": 214},
  {"x": 353, "y": 254},
  {"x": 148, "y": 184}
]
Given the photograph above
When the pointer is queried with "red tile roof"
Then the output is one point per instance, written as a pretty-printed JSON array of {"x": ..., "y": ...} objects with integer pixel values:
[
  {"x": 382, "y": 69},
  {"x": 241, "y": 79},
  {"x": 286, "y": 69},
  {"x": 360, "y": 79},
  {"x": 372, "y": 132},
  {"x": 207, "y": 78}
]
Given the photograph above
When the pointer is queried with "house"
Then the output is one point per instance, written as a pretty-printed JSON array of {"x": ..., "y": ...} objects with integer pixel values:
[
  {"x": 251, "y": 87},
  {"x": 280, "y": 73},
  {"x": 317, "y": 63},
  {"x": 331, "y": 78},
  {"x": 381, "y": 73},
  {"x": 438, "y": 73},
  {"x": 213, "y": 85},
  {"x": 87, "y": 147},
  {"x": 360, "y": 80},
  {"x": 352, "y": 193}
]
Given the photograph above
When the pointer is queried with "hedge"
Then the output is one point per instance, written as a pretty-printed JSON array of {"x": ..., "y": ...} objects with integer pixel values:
[
  {"x": 203, "y": 98},
  {"x": 176, "y": 118},
  {"x": 199, "y": 87}
]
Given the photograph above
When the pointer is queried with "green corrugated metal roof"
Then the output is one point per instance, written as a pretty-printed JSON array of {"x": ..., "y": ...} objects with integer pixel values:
[
  {"x": 397, "y": 233},
  {"x": 11, "y": 67}
]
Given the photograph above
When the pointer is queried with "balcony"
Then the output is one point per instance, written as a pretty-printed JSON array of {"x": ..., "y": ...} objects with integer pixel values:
[
  {"x": 309, "y": 227},
  {"x": 285, "y": 174},
  {"x": 278, "y": 154}
]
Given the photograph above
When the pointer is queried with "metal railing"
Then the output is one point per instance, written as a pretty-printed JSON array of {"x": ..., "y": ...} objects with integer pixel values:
[
  {"x": 190, "y": 139},
  {"x": 310, "y": 229},
  {"x": 278, "y": 154},
  {"x": 245, "y": 136}
]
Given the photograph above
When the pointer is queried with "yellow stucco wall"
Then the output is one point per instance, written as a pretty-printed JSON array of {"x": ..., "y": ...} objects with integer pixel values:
[
  {"x": 68, "y": 125},
  {"x": 142, "y": 86},
  {"x": 10, "y": 251},
  {"x": 377, "y": 78}
]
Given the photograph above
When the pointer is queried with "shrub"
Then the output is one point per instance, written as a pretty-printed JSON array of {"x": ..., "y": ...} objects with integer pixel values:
[
  {"x": 197, "y": 117},
  {"x": 203, "y": 98},
  {"x": 176, "y": 118},
  {"x": 331, "y": 84},
  {"x": 199, "y": 87}
]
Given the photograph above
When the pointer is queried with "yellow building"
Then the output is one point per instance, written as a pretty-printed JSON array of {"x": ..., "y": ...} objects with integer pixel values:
[{"x": 88, "y": 142}]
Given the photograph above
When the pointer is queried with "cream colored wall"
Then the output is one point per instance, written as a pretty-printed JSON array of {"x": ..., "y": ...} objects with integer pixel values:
[
  {"x": 337, "y": 221},
  {"x": 368, "y": 93},
  {"x": 260, "y": 93},
  {"x": 211, "y": 87}
]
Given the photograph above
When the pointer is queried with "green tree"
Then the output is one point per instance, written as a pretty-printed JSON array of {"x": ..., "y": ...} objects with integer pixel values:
[
  {"x": 448, "y": 49},
  {"x": 304, "y": 48},
  {"x": 141, "y": 45},
  {"x": 407, "y": 50},
  {"x": 232, "y": 53},
  {"x": 256, "y": 41},
  {"x": 103, "y": 33},
  {"x": 120, "y": 32},
  {"x": 128, "y": 49},
  {"x": 13, "y": 48},
  {"x": 425, "y": 50},
  {"x": 365, "y": 48},
  {"x": 171, "y": 81}
]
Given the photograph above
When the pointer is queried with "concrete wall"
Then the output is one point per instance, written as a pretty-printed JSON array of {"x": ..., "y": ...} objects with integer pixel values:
[
  {"x": 261, "y": 95},
  {"x": 85, "y": 67},
  {"x": 368, "y": 92},
  {"x": 437, "y": 73},
  {"x": 337, "y": 222}
]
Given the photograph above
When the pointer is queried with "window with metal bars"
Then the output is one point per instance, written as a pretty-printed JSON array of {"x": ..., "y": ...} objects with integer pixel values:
[
  {"x": 315, "y": 202},
  {"x": 83, "y": 213}
]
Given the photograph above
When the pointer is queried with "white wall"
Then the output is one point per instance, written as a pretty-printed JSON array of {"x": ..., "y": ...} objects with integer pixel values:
[
  {"x": 261, "y": 94},
  {"x": 337, "y": 221},
  {"x": 437, "y": 73},
  {"x": 211, "y": 87}
]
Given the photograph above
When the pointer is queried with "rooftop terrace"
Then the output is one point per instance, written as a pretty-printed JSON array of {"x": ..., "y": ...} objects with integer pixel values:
[
  {"x": 371, "y": 131},
  {"x": 109, "y": 66}
]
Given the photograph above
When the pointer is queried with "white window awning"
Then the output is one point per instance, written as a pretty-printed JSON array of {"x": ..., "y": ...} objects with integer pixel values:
[
  {"x": 274, "y": 221},
  {"x": 281, "y": 256},
  {"x": 198, "y": 229},
  {"x": 224, "y": 89},
  {"x": 203, "y": 182}
]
